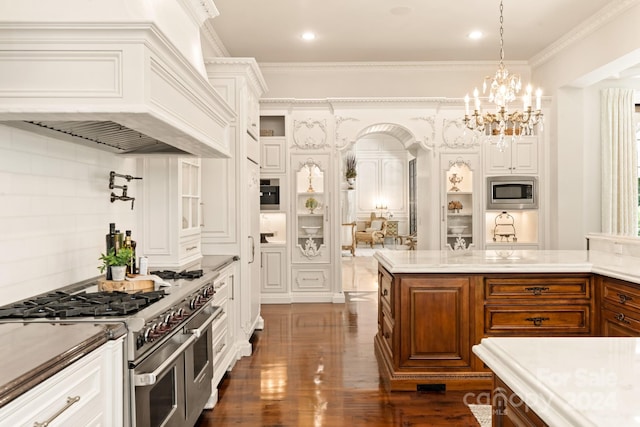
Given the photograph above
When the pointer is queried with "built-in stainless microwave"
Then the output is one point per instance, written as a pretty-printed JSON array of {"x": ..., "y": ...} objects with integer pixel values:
[{"x": 512, "y": 192}]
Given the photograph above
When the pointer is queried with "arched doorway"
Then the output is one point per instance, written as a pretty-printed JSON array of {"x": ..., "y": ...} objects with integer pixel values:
[{"x": 384, "y": 152}]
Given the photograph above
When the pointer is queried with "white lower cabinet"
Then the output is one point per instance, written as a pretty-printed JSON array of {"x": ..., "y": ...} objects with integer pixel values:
[
  {"x": 87, "y": 393},
  {"x": 223, "y": 337},
  {"x": 310, "y": 279},
  {"x": 273, "y": 283}
]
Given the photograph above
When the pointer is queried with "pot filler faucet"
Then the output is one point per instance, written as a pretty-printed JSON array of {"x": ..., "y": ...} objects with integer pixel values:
[{"x": 123, "y": 196}]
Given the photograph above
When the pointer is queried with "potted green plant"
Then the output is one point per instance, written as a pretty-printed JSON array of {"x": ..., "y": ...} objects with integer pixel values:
[
  {"x": 117, "y": 262},
  {"x": 350, "y": 169},
  {"x": 311, "y": 204}
]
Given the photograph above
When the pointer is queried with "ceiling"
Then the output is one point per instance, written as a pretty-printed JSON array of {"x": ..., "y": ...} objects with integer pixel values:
[{"x": 395, "y": 30}]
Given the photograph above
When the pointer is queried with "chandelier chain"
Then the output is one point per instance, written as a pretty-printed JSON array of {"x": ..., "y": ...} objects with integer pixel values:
[{"x": 501, "y": 34}]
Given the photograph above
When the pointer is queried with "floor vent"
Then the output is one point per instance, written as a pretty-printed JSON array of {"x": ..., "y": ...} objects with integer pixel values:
[{"x": 431, "y": 387}]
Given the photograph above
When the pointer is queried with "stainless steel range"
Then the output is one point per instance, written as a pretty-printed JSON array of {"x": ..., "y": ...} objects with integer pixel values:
[{"x": 168, "y": 344}]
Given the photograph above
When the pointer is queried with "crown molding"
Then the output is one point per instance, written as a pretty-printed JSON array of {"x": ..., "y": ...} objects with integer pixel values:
[
  {"x": 200, "y": 10},
  {"x": 597, "y": 21},
  {"x": 333, "y": 104},
  {"x": 387, "y": 66},
  {"x": 248, "y": 66},
  {"x": 208, "y": 33},
  {"x": 422, "y": 102}
]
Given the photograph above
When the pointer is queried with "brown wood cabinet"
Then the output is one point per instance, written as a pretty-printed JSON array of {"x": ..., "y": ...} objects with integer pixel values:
[
  {"x": 427, "y": 323},
  {"x": 619, "y": 307},
  {"x": 509, "y": 410},
  {"x": 434, "y": 322}
]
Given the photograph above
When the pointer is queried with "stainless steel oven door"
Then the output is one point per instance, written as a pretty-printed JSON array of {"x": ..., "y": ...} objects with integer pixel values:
[
  {"x": 199, "y": 363},
  {"x": 172, "y": 385},
  {"x": 159, "y": 387}
]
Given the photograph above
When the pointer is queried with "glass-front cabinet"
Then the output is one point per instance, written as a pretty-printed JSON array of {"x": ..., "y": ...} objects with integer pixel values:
[
  {"x": 460, "y": 202},
  {"x": 311, "y": 230},
  {"x": 190, "y": 194}
]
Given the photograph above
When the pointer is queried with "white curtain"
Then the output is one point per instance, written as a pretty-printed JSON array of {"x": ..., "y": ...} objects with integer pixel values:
[{"x": 619, "y": 163}]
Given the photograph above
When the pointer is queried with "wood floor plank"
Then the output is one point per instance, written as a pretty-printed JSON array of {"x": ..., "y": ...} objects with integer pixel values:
[{"x": 314, "y": 365}]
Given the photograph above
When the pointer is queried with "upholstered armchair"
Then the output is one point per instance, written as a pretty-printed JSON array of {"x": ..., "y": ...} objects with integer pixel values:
[{"x": 374, "y": 232}]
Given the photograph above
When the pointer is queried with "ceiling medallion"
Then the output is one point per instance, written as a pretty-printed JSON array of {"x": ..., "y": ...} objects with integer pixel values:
[{"x": 503, "y": 89}]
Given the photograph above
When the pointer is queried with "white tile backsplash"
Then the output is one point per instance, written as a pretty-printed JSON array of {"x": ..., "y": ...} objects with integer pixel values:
[{"x": 55, "y": 211}]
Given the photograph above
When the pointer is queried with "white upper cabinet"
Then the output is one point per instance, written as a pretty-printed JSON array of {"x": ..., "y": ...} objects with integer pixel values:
[
  {"x": 253, "y": 115},
  {"x": 171, "y": 208},
  {"x": 190, "y": 196},
  {"x": 273, "y": 145},
  {"x": 519, "y": 157},
  {"x": 273, "y": 154}
]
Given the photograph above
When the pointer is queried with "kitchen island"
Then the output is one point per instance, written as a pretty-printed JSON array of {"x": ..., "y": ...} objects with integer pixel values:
[
  {"x": 434, "y": 306},
  {"x": 564, "y": 381}
]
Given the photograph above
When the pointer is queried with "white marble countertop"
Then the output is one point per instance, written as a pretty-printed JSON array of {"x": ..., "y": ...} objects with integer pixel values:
[
  {"x": 511, "y": 261},
  {"x": 565, "y": 388}
]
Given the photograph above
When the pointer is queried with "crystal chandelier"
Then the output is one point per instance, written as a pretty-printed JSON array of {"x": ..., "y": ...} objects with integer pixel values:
[{"x": 503, "y": 89}]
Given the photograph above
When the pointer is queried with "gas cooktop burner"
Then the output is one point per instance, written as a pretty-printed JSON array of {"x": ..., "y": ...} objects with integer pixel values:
[
  {"x": 64, "y": 305},
  {"x": 168, "y": 274}
]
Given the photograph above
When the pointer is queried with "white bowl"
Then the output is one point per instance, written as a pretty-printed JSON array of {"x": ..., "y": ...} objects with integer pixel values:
[
  {"x": 311, "y": 230},
  {"x": 457, "y": 229}
]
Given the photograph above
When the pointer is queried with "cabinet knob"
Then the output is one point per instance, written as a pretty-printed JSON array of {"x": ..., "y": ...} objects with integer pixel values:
[
  {"x": 537, "y": 290},
  {"x": 620, "y": 318},
  {"x": 385, "y": 292},
  {"x": 624, "y": 298},
  {"x": 537, "y": 321}
]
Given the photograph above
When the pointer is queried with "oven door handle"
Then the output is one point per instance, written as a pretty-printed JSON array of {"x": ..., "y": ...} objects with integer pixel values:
[
  {"x": 150, "y": 378},
  {"x": 202, "y": 329}
]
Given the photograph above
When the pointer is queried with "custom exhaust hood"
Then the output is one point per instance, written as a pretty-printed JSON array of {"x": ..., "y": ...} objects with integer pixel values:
[{"x": 125, "y": 76}]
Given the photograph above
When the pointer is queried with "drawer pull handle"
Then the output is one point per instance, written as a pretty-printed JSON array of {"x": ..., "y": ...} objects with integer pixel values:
[
  {"x": 620, "y": 318},
  {"x": 385, "y": 292},
  {"x": 220, "y": 348},
  {"x": 624, "y": 298},
  {"x": 537, "y": 290},
  {"x": 537, "y": 321},
  {"x": 70, "y": 401},
  {"x": 387, "y": 335},
  {"x": 190, "y": 248}
]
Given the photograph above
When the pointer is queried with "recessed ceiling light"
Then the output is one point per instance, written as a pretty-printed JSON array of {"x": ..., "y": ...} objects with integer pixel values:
[
  {"x": 475, "y": 35},
  {"x": 308, "y": 36},
  {"x": 400, "y": 10}
]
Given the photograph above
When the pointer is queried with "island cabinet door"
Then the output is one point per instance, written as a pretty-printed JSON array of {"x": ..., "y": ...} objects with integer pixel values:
[{"x": 434, "y": 317}]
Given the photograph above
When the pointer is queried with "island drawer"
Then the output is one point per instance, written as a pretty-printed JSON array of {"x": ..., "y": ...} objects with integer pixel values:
[
  {"x": 546, "y": 287},
  {"x": 621, "y": 294},
  {"x": 527, "y": 320},
  {"x": 386, "y": 289},
  {"x": 387, "y": 330},
  {"x": 618, "y": 322}
]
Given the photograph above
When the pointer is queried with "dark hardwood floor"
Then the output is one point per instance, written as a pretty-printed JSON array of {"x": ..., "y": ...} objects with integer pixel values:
[{"x": 313, "y": 365}]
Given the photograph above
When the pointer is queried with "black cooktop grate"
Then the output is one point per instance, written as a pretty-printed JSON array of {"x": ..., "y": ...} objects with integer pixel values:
[
  {"x": 174, "y": 275},
  {"x": 64, "y": 305}
]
